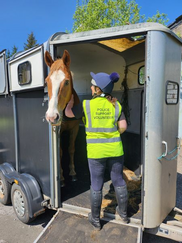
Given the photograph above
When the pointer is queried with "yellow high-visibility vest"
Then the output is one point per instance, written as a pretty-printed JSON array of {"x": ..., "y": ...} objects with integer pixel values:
[{"x": 103, "y": 138}]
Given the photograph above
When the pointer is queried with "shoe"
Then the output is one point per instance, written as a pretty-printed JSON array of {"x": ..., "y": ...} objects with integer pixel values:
[
  {"x": 125, "y": 219},
  {"x": 94, "y": 222},
  {"x": 122, "y": 199},
  {"x": 94, "y": 216}
]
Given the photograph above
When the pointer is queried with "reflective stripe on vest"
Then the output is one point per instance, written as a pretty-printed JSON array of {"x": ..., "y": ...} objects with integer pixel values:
[{"x": 103, "y": 140}]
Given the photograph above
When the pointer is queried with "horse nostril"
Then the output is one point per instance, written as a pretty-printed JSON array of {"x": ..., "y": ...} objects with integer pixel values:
[
  {"x": 53, "y": 117},
  {"x": 57, "y": 117}
]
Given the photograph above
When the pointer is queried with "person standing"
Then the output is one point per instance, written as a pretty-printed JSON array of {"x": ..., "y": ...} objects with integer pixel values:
[{"x": 104, "y": 122}]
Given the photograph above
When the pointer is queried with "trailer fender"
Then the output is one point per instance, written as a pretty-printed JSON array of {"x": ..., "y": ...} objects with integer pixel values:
[
  {"x": 33, "y": 194},
  {"x": 9, "y": 172},
  {"x": 5, "y": 184},
  {"x": 6, "y": 168},
  {"x": 29, "y": 186}
]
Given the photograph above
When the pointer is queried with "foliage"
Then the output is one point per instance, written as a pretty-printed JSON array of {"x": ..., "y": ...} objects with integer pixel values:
[
  {"x": 160, "y": 18},
  {"x": 96, "y": 14},
  {"x": 178, "y": 34},
  {"x": 31, "y": 41},
  {"x": 15, "y": 49},
  {"x": 10, "y": 54}
]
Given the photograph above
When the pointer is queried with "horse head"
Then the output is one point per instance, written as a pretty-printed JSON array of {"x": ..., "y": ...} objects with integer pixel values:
[{"x": 60, "y": 86}]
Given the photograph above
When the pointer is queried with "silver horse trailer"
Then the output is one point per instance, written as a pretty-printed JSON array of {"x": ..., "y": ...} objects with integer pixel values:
[{"x": 148, "y": 58}]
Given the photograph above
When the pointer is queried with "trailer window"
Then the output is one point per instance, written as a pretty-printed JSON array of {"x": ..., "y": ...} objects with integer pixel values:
[
  {"x": 24, "y": 73},
  {"x": 141, "y": 75},
  {"x": 172, "y": 92}
]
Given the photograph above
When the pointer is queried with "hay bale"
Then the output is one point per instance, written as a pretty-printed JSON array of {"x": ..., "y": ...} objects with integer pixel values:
[{"x": 133, "y": 182}]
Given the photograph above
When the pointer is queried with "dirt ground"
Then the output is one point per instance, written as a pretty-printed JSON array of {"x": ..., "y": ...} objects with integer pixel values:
[{"x": 14, "y": 231}]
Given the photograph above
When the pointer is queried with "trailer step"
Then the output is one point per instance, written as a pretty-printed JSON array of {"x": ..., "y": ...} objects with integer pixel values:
[
  {"x": 104, "y": 215},
  {"x": 74, "y": 227}
]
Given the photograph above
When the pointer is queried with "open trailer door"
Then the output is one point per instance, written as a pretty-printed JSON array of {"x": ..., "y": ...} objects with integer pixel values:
[{"x": 163, "y": 54}]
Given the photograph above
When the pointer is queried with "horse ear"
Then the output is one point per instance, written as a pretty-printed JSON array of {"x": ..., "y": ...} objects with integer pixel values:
[
  {"x": 66, "y": 58},
  {"x": 48, "y": 59}
]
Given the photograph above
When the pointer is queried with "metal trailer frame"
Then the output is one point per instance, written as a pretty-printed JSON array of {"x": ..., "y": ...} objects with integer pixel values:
[{"x": 40, "y": 184}]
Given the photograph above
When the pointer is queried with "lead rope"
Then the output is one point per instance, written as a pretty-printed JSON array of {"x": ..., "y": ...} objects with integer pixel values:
[
  {"x": 172, "y": 151},
  {"x": 124, "y": 99}
]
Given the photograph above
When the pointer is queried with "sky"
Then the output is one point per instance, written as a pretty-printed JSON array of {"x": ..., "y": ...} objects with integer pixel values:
[{"x": 46, "y": 17}]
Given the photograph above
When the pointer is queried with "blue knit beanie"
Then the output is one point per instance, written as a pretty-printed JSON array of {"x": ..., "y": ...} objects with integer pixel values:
[{"x": 104, "y": 81}]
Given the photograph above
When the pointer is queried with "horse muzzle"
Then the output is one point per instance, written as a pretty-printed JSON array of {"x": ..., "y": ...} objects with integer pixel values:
[{"x": 54, "y": 120}]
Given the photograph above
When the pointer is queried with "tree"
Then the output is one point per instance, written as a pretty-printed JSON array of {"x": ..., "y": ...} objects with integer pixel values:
[
  {"x": 10, "y": 54},
  {"x": 96, "y": 14},
  {"x": 160, "y": 18},
  {"x": 31, "y": 41},
  {"x": 14, "y": 50}
]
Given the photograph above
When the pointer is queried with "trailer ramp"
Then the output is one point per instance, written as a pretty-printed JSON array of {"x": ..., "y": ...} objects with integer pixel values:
[{"x": 69, "y": 227}]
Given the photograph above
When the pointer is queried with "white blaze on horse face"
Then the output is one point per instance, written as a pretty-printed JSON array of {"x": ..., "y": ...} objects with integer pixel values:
[{"x": 56, "y": 78}]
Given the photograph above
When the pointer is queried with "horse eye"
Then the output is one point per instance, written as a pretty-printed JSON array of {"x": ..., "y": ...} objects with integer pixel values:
[{"x": 66, "y": 82}]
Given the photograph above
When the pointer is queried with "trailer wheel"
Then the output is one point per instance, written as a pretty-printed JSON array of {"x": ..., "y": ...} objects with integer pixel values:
[
  {"x": 5, "y": 189},
  {"x": 20, "y": 204}
]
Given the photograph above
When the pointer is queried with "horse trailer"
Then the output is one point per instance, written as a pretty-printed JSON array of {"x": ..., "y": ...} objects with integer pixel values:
[{"x": 147, "y": 57}]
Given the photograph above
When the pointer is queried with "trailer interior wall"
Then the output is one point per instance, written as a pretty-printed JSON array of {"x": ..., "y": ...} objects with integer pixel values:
[{"x": 95, "y": 57}]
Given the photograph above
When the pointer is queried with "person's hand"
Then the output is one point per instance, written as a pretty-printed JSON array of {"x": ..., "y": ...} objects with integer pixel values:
[{"x": 111, "y": 99}]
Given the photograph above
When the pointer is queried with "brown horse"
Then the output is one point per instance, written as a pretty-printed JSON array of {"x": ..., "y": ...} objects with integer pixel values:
[{"x": 60, "y": 88}]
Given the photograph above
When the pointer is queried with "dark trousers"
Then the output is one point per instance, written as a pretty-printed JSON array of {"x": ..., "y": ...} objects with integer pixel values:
[{"x": 97, "y": 170}]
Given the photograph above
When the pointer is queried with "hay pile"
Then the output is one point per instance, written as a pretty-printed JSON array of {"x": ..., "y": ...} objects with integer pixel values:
[{"x": 134, "y": 194}]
